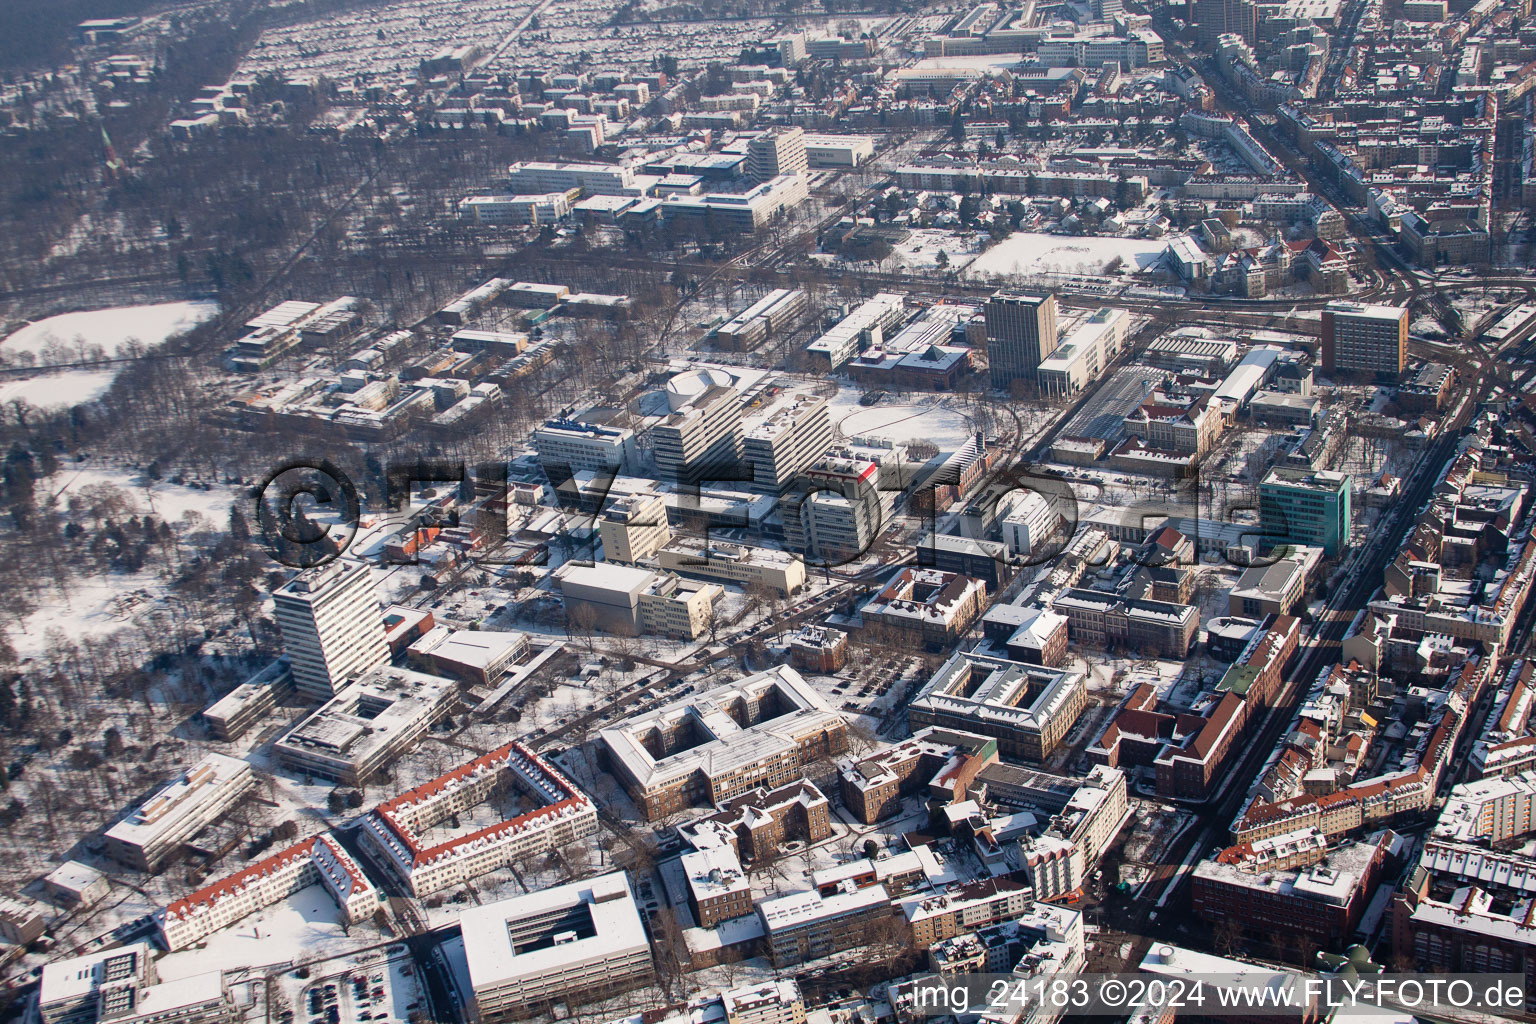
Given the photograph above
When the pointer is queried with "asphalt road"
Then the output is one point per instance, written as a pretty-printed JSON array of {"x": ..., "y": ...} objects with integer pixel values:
[{"x": 441, "y": 1006}]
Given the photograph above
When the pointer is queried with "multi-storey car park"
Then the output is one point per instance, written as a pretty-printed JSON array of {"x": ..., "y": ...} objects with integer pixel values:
[
  {"x": 581, "y": 940},
  {"x": 408, "y": 830}
]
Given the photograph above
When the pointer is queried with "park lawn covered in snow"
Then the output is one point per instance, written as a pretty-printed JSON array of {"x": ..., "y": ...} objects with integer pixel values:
[
  {"x": 1026, "y": 253},
  {"x": 76, "y": 337},
  {"x": 60, "y": 390},
  {"x": 164, "y": 499},
  {"x": 99, "y": 604},
  {"x": 85, "y": 337}
]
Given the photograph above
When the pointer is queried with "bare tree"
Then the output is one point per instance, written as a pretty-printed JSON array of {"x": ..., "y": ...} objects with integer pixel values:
[
  {"x": 577, "y": 859},
  {"x": 671, "y": 951},
  {"x": 1228, "y": 935},
  {"x": 581, "y": 620},
  {"x": 861, "y": 738}
]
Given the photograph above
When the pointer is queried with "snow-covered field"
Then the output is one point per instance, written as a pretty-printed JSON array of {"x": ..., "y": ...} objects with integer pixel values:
[
  {"x": 49, "y": 391},
  {"x": 921, "y": 250},
  {"x": 72, "y": 337},
  {"x": 933, "y": 419},
  {"x": 84, "y": 337},
  {"x": 1025, "y": 253},
  {"x": 164, "y": 499}
]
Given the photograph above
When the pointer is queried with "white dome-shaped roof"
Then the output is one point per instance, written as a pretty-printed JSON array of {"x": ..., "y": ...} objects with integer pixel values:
[{"x": 687, "y": 386}]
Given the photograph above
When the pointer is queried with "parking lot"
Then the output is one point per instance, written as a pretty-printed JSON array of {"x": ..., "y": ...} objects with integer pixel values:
[{"x": 380, "y": 990}]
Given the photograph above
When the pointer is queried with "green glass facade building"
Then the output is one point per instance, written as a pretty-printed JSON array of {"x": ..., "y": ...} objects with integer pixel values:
[{"x": 1303, "y": 507}]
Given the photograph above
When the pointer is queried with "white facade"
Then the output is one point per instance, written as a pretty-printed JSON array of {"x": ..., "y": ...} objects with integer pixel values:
[
  {"x": 585, "y": 447},
  {"x": 1053, "y": 866},
  {"x": 831, "y": 528},
  {"x": 740, "y": 564},
  {"x": 1496, "y": 810},
  {"x": 1140, "y": 48},
  {"x": 561, "y": 814},
  {"x": 120, "y": 985},
  {"x": 777, "y": 151},
  {"x": 1031, "y": 522},
  {"x": 740, "y": 211},
  {"x": 366, "y": 725},
  {"x": 516, "y": 209},
  {"x": 790, "y": 436},
  {"x": 701, "y": 437},
  {"x": 73, "y": 882},
  {"x": 579, "y": 940},
  {"x": 333, "y": 629},
  {"x": 845, "y": 151},
  {"x": 634, "y": 528},
  {"x": 863, "y": 326},
  {"x": 537, "y": 177},
  {"x": 317, "y": 860},
  {"x": 191, "y": 802},
  {"x": 1085, "y": 353}
]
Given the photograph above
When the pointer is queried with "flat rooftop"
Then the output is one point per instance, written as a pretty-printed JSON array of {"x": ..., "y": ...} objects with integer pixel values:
[{"x": 604, "y": 904}]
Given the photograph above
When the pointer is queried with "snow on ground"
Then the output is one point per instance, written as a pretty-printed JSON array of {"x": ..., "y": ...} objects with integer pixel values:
[
  {"x": 1476, "y": 305},
  {"x": 1123, "y": 674},
  {"x": 102, "y": 603},
  {"x": 403, "y": 991},
  {"x": 72, "y": 337},
  {"x": 96, "y": 605},
  {"x": 49, "y": 391},
  {"x": 1426, "y": 326},
  {"x": 933, "y": 419},
  {"x": 164, "y": 499},
  {"x": 302, "y": 927},
  {"x": 81, "y": 337},
  {"x": 921, "y": 249},
  {"x": 1026, "y": 253}
]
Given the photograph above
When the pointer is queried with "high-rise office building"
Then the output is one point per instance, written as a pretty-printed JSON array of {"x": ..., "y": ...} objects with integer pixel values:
[
  {"x": 786, "y": 438},
  {"x": 1216, "y": 18},
  {"x": 702, "y": 440},
  {"x": 333, "y": 628},
  {"x": 790, "y": 48},
  {"x": 634, "y": 527},
  {"x": 1365, "y": 339},
  {"x": 777, "y": 151},
  {"x": 1300, "y": 507},
  {"x": 838, "y": 511},
  {"x": 1021, "y": 333}
]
